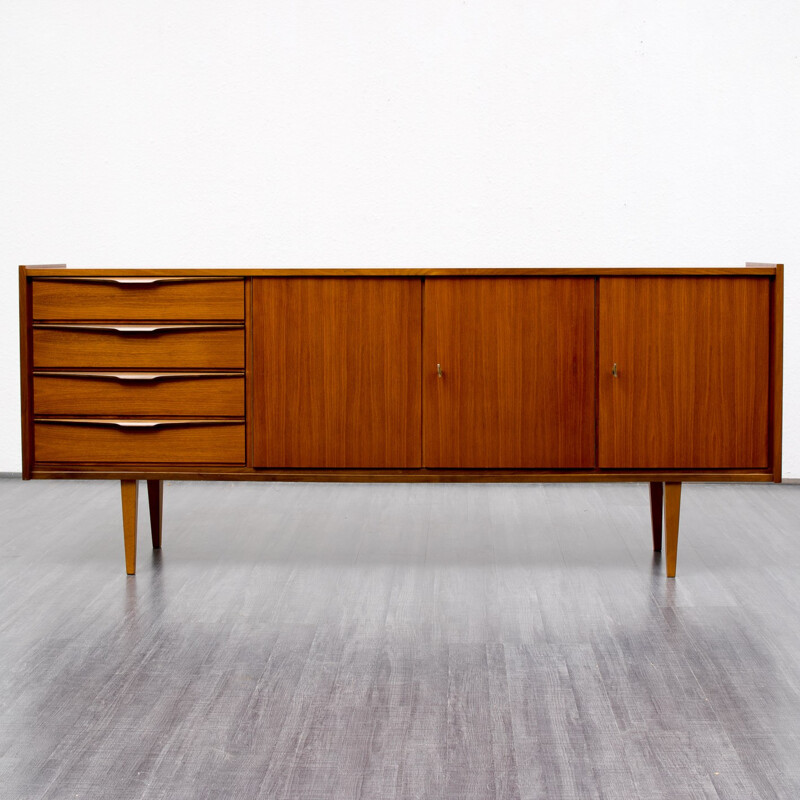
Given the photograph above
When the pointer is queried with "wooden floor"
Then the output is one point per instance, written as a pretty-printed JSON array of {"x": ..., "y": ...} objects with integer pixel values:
[{"x": 399, "y": 641}]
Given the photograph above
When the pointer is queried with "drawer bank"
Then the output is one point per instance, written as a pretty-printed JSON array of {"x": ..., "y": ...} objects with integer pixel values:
[{"x": 471, "y": 375}]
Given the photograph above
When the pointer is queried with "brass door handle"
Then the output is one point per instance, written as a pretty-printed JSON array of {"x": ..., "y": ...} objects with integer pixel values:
[
  {"x": 614, "y": 370},
  {"x": 439, "y": 371}
]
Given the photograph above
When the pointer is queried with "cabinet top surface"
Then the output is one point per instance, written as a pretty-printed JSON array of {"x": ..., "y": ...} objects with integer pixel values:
[{"x": 417, "y": 272}]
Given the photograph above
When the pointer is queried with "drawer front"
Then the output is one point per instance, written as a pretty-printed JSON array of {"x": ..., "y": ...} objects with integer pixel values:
[
  {"x": 190, "y": 348},
  {"x": 196, "y": 443},
  {"x": 146, "y": 394},
  {"x": 138, "y": 299}
]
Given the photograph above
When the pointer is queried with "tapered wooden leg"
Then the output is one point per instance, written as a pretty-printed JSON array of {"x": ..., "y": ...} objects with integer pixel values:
[
  {"x": 155, "y": 498},
  {"x": 130, "y": 505},
  {"x": 657, "y": 512},
  {"x": 672, "y": 497}
]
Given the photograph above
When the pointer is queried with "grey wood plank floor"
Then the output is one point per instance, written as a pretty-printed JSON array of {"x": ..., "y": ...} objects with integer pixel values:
[{"x": 399, "y": 641}]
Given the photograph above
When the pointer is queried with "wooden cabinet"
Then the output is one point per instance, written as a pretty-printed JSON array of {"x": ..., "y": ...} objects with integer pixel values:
[
  {"x": 648, "y": 375},
  {"x": 509, "y": 373},
  {"x": 684, "y": 373}
]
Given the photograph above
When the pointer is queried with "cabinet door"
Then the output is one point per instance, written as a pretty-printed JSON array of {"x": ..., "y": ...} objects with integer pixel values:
[
  {"x": 692, "y": 383},
  {"x": 517, "y": 363},
  {"x": 336, "y": 369}
]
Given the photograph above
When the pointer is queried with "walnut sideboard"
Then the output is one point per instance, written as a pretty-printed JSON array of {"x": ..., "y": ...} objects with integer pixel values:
[{"x": 650, "y": 375}]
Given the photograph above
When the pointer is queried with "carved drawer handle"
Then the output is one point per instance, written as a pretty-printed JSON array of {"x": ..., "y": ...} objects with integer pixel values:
[
  {"x": 134, "y": 328},
  {"x": 134, "y": 281},
  {"x": 135, "y": 423},
  {"x": 138, "y": 376},
  {"x": 139, "y": 281}
]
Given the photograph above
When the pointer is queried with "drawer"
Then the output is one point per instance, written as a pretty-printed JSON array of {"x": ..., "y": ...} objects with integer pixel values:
[
  {"x": 138, "y": 299},
  {"x": 138, "y": 394},
  {"x": 143, "y": 442},
  {"x": 151, "y": 347}
]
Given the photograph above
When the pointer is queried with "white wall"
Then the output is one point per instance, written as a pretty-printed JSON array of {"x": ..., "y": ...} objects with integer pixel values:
[{"x": 399, "y": 133}]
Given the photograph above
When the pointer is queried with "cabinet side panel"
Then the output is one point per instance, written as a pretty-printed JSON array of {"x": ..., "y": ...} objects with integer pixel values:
[
  {"x": 336, "y": 372},
  {"x": 777, "y": 373},
  {"x": 692, "y": 383},
  {"x": 25, "y": 372},
  {"x": 517, "y": 373}
]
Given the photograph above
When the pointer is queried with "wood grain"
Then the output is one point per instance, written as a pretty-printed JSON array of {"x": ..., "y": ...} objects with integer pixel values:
[
  {"x": 100, "y": 443},
  {"x": 173, "y": 395},
  {"x": 517, "y": 385},
  {"x": 336, "y": 373},
  {"x": 78, "y": 348},
  {"x": 67, "y": 299},
  {"x": 693, "y": 372}
]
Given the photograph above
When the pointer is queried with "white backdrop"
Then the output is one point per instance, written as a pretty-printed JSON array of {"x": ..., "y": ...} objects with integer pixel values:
[{"x": 399, "y": 133}]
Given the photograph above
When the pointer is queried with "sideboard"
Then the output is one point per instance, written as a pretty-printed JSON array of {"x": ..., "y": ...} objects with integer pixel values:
[{"x": 660, "y": 376}]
